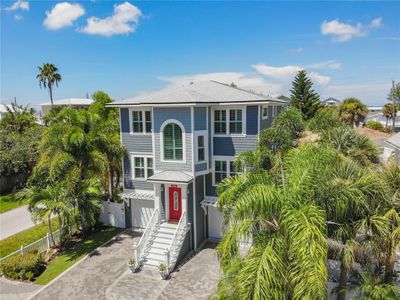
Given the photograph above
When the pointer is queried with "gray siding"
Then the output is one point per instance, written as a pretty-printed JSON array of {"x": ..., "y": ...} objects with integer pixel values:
[
  {"x": 183, "y": 115},
  {"x": 124, "y": 120},
  {"x": 137, "y": 143},
  {"x": 200, "y": 167},
  {"x": 200, "y": 217},
  {"x": 130, "y": 183},
  {"x": 231, "y": 146},
  {"x": 200, "y": 118},
  {"x": 210, "y": 189},
  {"x": 190, "y": 209},
  {"x": 209, "y": 138},
  {"x": 264, "y": 124},
  {"x": 252, "y": 120}
]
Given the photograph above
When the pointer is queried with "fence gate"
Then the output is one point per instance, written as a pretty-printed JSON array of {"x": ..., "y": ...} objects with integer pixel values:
[{"x": 112, "y": 214}]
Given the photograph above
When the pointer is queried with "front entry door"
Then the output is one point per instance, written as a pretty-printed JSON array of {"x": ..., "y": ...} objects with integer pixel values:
[{"x": 175, "y": 203}]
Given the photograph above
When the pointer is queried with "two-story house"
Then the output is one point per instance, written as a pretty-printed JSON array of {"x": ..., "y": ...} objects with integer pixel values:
[{"x": 182, "y": 142}]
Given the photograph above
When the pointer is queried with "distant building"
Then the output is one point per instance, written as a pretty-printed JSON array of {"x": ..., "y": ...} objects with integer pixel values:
[
  {"x": 284, "y": 98},
  {"x": 3, "y": 109},
  {"x": 394, "y": 142},
  {"x": 73, "y": 102},
  {"x": 375, "y": 113},
  {"x": 331, "y": 101}
]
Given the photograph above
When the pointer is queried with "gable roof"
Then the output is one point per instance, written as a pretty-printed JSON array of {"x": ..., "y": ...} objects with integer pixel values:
[
  {"x": 331, "y": 99},
  {"x": 203, "y": 92},
  {"x": 70, "y": 101}
]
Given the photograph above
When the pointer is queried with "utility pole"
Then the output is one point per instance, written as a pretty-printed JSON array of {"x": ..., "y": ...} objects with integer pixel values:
[{"x": 394, "y": 105}]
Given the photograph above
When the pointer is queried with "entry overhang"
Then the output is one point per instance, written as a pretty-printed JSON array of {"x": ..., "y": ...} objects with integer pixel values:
[{"x": 171, "y": 177}]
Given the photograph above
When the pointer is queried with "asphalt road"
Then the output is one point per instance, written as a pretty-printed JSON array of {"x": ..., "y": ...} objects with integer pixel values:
[{"x": 14, "y": 221}]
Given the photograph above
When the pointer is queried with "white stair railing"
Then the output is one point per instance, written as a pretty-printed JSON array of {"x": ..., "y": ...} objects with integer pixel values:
[
  {"x": 172, "y": 252},
  {"x": 141, "y": 249}
]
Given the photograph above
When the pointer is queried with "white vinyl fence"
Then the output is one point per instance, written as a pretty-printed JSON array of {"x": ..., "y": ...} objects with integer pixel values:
[
  {"x": 40, "y": 245},
  {"x": 113, "y": 214}
]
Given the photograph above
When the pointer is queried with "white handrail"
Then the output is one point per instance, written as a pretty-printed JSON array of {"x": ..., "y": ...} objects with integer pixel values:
[
  {"x": 171, "y": 251},
  {"x": 139, "y": 247}
]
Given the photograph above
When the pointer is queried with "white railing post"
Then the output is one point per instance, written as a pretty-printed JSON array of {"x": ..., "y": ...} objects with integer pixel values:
[
  {"x": 48, "y": 240},
  {"x": 166, "y": 253},
  {"x": 136, "y": 252},
  {"x": 22, "y": 249}
]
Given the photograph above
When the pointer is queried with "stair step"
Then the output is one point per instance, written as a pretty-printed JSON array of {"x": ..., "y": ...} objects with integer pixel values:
[
  {"x": 153, "y": 263},
  {"x": 157, "y": 251},
  {"x": 156, "y": 256},
  {"x": 168, "y": 225},
  {"x": 166, "y": 230},
  {"x": 162, "y": 235},
  {"x": 160, "y": 245}
]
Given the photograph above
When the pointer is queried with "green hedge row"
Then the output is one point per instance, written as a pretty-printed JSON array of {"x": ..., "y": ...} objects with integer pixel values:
[{"x": 25, "y": 266}]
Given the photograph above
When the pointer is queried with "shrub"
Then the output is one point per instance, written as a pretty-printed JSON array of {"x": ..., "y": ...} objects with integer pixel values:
[
  {"x": 25, "y": 266},
  {"x": 289, "y": 120},
  {"x": 324, "y": 119},
  {"x": 375, "y": 125}
]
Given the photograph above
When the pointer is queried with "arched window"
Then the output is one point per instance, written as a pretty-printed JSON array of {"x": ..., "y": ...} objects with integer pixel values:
[{"x": 173, "y": 149}]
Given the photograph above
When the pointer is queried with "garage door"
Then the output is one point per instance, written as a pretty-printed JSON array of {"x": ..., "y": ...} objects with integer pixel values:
[
  {"x": 214, "y": 223},
  {"x": 141, "y": 212}
]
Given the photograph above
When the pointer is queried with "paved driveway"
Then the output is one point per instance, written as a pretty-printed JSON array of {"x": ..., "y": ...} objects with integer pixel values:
[
  {"x": 91, "y": 277},
  {"x": 14, "y": 221}
]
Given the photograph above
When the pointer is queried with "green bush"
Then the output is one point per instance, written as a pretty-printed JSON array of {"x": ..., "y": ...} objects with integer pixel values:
[
  {"x": 375, "y": 125},
  {"x": 25, "y": 266},
  {"x": 325, "y": 119}
]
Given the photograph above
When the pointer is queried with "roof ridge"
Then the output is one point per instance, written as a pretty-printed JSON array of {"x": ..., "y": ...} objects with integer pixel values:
[{"x": 241, "y": 89}]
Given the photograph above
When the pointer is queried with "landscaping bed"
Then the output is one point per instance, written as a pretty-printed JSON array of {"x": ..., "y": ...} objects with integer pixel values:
[
  {"x": 42, "y": 268},
  {"x": 9, "y": 202}
]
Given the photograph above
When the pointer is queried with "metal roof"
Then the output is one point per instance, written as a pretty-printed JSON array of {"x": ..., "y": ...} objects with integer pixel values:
[
  {"x": 70, "y": 101},
  {"x": 171, "y": 176},
  {"x": 197, "y": 92}
]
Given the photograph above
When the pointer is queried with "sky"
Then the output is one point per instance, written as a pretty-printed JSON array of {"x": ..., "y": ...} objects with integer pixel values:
[{"x": 129, "y": 48}]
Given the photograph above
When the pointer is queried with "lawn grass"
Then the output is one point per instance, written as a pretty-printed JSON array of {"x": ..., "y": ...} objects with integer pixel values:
[
  {"x": 25, "y": 237},
  {"x": 71, "y": 256},
  {"x": 9, "y": 202}
]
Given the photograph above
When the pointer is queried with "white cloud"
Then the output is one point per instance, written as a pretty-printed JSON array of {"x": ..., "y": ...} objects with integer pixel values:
[
  {"x": 124, "y": 20},
  {"x": 18, "y": 17},
  {"x": 20, "y": 4},
  {"x": 243, "y": 80},
  {"x": 319, "y": 79},
  {"x": 342, "y": 32},
  {"x": 63, "y": 14},
  {"x": 330, "y": 64},
  {"x": 296, "y": 50}
]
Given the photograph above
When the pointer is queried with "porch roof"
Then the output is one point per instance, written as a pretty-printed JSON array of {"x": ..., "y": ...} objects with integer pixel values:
[{"x": 171, "y": 176}]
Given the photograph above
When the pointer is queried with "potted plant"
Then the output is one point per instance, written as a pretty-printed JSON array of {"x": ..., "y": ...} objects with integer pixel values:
[
  {"x": 132, "y": 265},
  {"x": 162, "y": 269}
]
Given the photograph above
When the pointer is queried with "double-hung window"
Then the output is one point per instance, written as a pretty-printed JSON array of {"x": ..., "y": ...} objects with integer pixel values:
[
  {"x": 201, "y": 150},
  {"x": 220, "y": 171},
  {"x": 228, "y": 121},
  {"x": 234, "y": 170},
  {"x": 143, "y": 167},
  {"x": 220, "y": 121},
  {"x": 235, "y": 121},
  {"x": 141, "y": 121},
  {"x": 173, "y": 142},
  {"x": 265, "y": 112}
]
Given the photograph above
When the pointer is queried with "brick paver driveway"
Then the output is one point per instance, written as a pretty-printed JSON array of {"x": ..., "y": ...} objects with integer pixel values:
[{"x": 92, "y": 276}]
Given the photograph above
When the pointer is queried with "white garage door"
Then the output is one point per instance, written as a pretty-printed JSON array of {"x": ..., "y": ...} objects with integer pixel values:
[
  {"x": 141, "y": 212},
  {"x": 214, "y": 223}
]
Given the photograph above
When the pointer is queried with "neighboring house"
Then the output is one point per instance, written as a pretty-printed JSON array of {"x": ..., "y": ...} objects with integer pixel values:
[
  {"x": 394, "y": 143},
  {"x": 3, "y": 109},
  {"x": 375, "y": 114},
  {"x": 331, "y": 102},
  {"x": 284, "y": 98},
  {"x": 73, "y": 102},
  {"x": 181, "y": 144}
]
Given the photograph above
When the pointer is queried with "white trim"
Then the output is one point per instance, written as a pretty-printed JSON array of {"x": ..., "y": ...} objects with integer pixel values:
[
  {"x": 153, "y": 141},
  {"x": 208, "y": 138},
  {"x": 143, "y": 110},
  {"x": 192, "y": 137},
  {"x": 145, "y": 157},
  {"x": 262, "y": 112},
  {"x": 120, "y": 139},
  {"x": 165, "y": 123},
  {"x": 227, "y": 159},
  {"x": 194, "y": 213},
  {"x": 227, "y": 109},
  {"x": 252, "y": 102}
]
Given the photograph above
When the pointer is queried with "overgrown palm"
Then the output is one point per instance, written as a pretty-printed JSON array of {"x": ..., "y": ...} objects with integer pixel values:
[
  {"x": 18, "y": 118},
  {"x": 48, "y": 76},
  {"x": 352, "y": 111}
]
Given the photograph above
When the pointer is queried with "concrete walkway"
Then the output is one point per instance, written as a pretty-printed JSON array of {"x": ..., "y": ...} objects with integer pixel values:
[
  {"x": 90, "y": 278},
  {"x": 196, "y": 279},
  {"x": 15, "y": 290},
  {"x": 14, "y": 221}
]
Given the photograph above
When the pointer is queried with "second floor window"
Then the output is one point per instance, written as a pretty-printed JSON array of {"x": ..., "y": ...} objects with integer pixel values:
[
  {"x": 139, "y": 167},
  {"x": 228, "y": 121},
  {"x": 201, "y": 155},
  {"x": 149, "y": 167},
  {"x": 173, "y": 143},
  {"x": 141, "y": 121},
  {"x": 143, "y": 167}
]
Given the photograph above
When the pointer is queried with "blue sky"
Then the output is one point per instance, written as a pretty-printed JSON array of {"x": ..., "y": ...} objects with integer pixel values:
[{"x": 126, "y": 48}]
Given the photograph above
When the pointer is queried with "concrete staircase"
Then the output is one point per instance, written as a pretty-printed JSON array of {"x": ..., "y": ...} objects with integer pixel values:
[{"x": 160, "y": 242}]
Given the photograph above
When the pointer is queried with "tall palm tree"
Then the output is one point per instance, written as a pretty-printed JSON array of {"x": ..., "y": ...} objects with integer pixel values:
[
  {"x": 48, "y": 76},
  {"x": 352, "y": 111}
]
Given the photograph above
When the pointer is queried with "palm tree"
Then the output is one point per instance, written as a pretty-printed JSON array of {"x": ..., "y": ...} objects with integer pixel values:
[
  {"x": 352, "y": 111},
  {"x": 48, "y": 76},
  {"x": 389, "y": 112}
]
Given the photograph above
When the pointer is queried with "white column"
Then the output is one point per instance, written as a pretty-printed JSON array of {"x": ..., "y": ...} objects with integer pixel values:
[
  {"x": 157, "y": 196},
  {"x": 166, "y": 195},
  {"x": 185, "y": 201}
]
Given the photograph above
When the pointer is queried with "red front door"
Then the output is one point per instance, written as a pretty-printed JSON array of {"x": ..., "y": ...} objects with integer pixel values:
[{"x": 175, "y": 203}]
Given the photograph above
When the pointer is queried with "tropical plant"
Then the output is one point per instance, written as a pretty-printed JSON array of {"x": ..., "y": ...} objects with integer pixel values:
[
  {"x": 389, "y": 111},
  {"x": 48, "y": 76},
  {"x": 324, "y": 119},
  {"x": 375, "y": 125},
  {"x": 352, "y": 111},
  {"x": 303, "y": 97},
  {"x": 17, "y": 119}
]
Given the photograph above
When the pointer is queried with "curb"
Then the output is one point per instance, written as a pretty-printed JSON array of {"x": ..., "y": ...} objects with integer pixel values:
[{"x": 75, "y": 265}]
